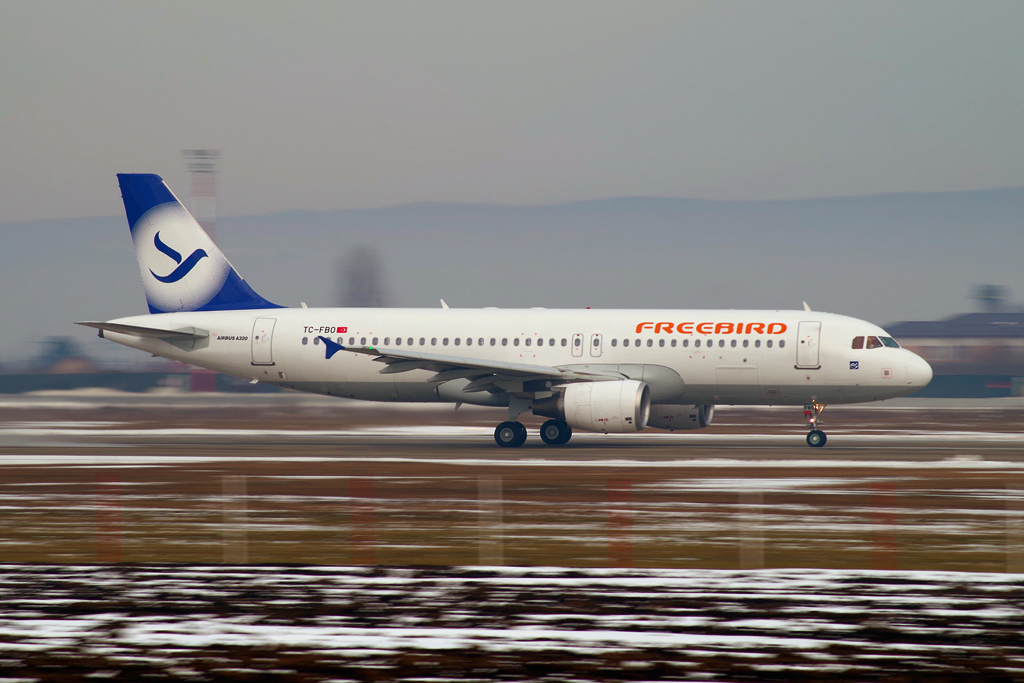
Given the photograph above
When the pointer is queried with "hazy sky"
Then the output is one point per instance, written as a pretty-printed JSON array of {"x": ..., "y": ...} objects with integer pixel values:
[{"x": 323, "y": 105}]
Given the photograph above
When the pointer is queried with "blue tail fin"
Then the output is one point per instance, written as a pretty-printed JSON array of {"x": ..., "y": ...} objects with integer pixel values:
[{"x": 182, "y": 269}]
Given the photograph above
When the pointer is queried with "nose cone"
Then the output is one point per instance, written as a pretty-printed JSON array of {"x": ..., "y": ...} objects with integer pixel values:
[{"x": 918, "y": 372}]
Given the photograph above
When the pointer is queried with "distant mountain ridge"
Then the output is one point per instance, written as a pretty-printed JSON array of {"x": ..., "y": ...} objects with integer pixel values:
[{"x": 881, "y": 257}]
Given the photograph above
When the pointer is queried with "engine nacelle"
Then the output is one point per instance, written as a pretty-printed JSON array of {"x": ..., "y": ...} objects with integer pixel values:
[
  {"x": 610, "y": 407},
  {"x": 680, "y": 417}
]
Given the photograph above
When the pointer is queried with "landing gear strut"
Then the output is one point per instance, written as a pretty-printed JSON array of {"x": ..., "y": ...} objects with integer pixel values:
[
  {"x": 555, "y": 432},
  {"x": 815, "y": 438},
  {"x": 510, "y": 434}
]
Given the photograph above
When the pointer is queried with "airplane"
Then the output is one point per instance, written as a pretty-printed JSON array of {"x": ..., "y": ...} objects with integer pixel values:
[{"x": 610, "y": 371}]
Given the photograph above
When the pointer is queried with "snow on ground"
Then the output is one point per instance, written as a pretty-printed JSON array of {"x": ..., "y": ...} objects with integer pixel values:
[{"x": 414, "y": 623}]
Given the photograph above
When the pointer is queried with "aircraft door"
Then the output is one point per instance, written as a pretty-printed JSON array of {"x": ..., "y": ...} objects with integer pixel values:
[
  {"x": 808, "y": 336},
  {"x": 577, "y": 345},
  {"x": 595, "y": 345},
  {"x": 262, "y": 341}
]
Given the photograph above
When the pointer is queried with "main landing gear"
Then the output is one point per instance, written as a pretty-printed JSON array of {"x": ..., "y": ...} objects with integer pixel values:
[
  {"x": 512, "y": 434},
  {"x": 555, "y": 432},
  {"x": 815, "y": 438}
]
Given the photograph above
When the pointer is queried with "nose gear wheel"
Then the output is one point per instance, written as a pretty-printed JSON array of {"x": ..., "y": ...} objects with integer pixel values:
[{"x": 815, "y": 437}]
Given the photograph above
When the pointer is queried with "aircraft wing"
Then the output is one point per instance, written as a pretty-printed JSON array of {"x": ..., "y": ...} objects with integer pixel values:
[{"x": 482, "y": 372}]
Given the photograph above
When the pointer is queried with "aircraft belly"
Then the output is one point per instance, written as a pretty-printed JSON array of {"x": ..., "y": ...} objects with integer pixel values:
[{"x": 738, "y": 386}]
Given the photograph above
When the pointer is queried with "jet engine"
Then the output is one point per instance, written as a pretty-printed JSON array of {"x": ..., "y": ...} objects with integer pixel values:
[
  {"x": 613, "y": 406},
  {"x": 681, "y": 417}
]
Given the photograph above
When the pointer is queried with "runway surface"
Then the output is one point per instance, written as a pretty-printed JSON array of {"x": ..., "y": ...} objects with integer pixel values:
[
  {"x": 899, "y": 546},
  {"x": 286, "y": 478}
]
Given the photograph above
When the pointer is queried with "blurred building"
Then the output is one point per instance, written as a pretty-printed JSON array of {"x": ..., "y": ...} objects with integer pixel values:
[
  {"x": 973, "y": 354},
  {"x": 362, "y": 279},
  {"x": 62, "y": 365},
  {"x": 62, "y": 355}
]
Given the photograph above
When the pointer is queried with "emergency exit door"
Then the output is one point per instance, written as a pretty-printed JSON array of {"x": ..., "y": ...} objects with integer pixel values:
[
  {"x": 262, "y": 341},
  {"x": 808, "y": 336}
]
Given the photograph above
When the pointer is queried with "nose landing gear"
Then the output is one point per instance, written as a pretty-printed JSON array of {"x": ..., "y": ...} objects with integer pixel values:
[{"x": 815, "y": 438}]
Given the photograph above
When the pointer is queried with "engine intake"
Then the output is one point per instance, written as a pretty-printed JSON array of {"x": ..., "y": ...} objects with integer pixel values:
[
  {"x": 681, "y": 417},
  {"x": 610, "y": 407}
]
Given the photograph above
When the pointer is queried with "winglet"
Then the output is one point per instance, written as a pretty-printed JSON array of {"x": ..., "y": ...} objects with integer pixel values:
[
  {"x": 806, "y": 307},
  {"x": 332, "y": 347}
]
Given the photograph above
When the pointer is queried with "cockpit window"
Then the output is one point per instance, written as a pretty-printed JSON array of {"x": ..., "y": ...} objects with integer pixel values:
[
  {"x": 890, "y": 342},
  {"x": 873, "y": 343},
  {"x": 858, "y": 342}
]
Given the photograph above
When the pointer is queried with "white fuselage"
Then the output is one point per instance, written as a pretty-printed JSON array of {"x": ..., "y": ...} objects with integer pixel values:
[{"x": 686, "y": 356}]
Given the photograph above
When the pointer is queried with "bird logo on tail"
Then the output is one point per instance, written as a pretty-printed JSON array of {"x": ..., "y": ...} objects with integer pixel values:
[{"x": 183, "y": 267}]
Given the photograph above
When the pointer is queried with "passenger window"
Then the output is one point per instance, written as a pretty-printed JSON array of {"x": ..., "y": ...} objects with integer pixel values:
[
  {"x": 768, "y": 343},
  {"x": 341, "y": 341},
  {"x": 782, "y": 343},
  {"x": 746, "y": 343},
  {"x": 457, "y": 341},
  {"x": 469, "y": 341},
  {"x": 650, "y": 343},
  {"x": 873, "y": 343},
  {"x": 374, "y": 341},
  {"x": 565, "y": 341},
  {"x": 433, "y": 341},
  {"x": 316, "y": 341},
  {"x": 625, "y": 342},
  {"x": 387, "y": 341},
  {"x": 398, "y": 341},
  {"x": 444, "y": 342},
  {"x": 696, "y": 343},
  {"x": 423, "y": 341},
  {"x": 890, "y": 342},
  {"x": 493, "y": 341},
  {"x": 757, "y": 343},
  {"x": 661, "y": 342},
  {"x": 577, "y": 342},
  {"x": 721, "y": 343},
  {"x": 528, "y": 341},
  {"x": 551, "y": 342},
  {"x": 540, "y": 342},
  {"x": 504, "y": 342},
  {"x": 515, "y": 342},
  {"x": 858, "y": 342},
  {"x": 480, "y": 342},
  {"x": 614, "y": 342},
  {"x": 673, "y": 343},
  {"x": 686, "y": 342},
  {"x": 305, "y": 340},
  {"x": 733, "y": 343},
  {"x": 409, "y": 341},
  {"x": 362, "y": 342}
]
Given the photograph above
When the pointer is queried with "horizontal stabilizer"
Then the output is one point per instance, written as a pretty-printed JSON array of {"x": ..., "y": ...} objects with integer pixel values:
[{"x": 182, "y": 334}]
